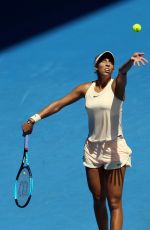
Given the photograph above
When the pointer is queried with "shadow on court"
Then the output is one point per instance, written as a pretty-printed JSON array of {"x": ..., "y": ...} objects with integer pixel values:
[{"x": 20, "y": 20}]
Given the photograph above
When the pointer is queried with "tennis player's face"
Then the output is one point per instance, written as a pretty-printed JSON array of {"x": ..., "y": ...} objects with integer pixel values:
[{"x": 105, "y": 67}]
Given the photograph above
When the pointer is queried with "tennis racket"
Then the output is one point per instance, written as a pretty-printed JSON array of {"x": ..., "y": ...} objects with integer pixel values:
[{"x": 24, "y": 181}]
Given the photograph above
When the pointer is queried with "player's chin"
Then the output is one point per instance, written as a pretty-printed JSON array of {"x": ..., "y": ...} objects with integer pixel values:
[{"x": 107, "y": 74}]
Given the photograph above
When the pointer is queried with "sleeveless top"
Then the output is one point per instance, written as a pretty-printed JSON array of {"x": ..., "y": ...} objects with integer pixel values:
[{"x": 104, "y": 111}]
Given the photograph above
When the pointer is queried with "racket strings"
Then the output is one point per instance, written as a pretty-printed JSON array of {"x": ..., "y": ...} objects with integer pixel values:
[{"x": 23, "y": 186}]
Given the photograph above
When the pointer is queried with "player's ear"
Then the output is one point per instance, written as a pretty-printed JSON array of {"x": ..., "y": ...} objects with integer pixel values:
[{"x": 95, "y": 69}]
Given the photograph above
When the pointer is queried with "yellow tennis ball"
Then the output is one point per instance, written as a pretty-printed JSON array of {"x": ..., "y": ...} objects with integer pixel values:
[{"x": 137, "y": 27}]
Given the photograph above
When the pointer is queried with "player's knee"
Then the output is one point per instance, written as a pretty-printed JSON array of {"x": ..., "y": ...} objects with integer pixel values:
[
  {"x": 99, "y": 198},
  {"x": 115, "y": 203}
]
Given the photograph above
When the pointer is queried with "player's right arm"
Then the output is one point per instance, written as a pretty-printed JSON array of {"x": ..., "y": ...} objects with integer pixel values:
[{"x": 54, "y": 107}]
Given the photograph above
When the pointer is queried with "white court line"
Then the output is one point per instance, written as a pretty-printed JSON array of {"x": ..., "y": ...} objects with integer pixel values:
[{"x": 26, "y": 94}]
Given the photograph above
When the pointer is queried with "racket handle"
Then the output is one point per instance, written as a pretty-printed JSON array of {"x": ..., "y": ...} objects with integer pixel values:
[{"x": 26, "y": 141}]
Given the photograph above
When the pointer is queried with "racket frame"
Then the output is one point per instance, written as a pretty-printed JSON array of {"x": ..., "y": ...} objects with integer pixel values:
[{"x": 24, "y": 165}]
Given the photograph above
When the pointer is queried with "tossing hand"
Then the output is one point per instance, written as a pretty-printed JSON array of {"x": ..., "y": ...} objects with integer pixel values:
[{"x": 138, "y": 59}]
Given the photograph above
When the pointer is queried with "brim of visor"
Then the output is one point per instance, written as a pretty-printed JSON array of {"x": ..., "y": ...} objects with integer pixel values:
[{"x": 105, "y": 54}]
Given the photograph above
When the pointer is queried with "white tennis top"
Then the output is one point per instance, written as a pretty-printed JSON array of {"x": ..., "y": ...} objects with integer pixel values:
[{"x": 104, "y": 111}]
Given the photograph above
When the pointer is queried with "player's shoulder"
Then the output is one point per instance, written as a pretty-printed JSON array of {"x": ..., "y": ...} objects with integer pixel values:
[{"x": 85, "y": 86}]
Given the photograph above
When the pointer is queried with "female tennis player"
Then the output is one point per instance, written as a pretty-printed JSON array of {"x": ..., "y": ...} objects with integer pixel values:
[{"x": 106, "y": 153}]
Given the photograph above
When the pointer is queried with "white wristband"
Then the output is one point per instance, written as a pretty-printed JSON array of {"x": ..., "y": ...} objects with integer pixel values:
[{"x": 36, "y": 117}]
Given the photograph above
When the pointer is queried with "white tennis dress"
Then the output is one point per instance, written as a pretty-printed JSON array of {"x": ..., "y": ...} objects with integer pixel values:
[{"x": 105, "y": 144}]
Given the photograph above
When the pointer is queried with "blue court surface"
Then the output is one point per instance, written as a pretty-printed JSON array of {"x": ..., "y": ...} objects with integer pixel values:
[{"x": 44, "y": 68}]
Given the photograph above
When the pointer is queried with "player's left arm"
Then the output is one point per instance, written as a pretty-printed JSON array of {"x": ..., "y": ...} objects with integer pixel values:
[{"x": 119, "y": 83}]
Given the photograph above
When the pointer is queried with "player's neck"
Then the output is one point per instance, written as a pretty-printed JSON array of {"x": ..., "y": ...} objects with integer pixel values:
[{"x": 102, "y": 81}]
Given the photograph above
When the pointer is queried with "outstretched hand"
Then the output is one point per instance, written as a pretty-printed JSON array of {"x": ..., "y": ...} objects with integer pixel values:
[
  {"x": 138, "y": 59},
  {"x": 27, "y": 128}
]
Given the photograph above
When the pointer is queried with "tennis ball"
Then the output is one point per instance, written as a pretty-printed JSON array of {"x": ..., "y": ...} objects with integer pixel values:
[
  {"x": 24, "y": 173},
  {"x": 137, "y": 27}
]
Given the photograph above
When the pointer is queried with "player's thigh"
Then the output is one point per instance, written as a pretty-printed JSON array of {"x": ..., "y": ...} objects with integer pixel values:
[
  {"x": 114, "y": 184},
  {"x": 96, "y": 182}
]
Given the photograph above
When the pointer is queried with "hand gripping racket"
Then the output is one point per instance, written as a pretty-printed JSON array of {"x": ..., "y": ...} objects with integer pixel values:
[{"x": 24, "y": 181}]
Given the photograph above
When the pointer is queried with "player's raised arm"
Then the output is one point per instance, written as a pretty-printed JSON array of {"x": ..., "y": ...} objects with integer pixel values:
[
  {"x": 120, "y": 81},
  {"x": 136, "y": 59},
  {"x": 76, "y": 94}
]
